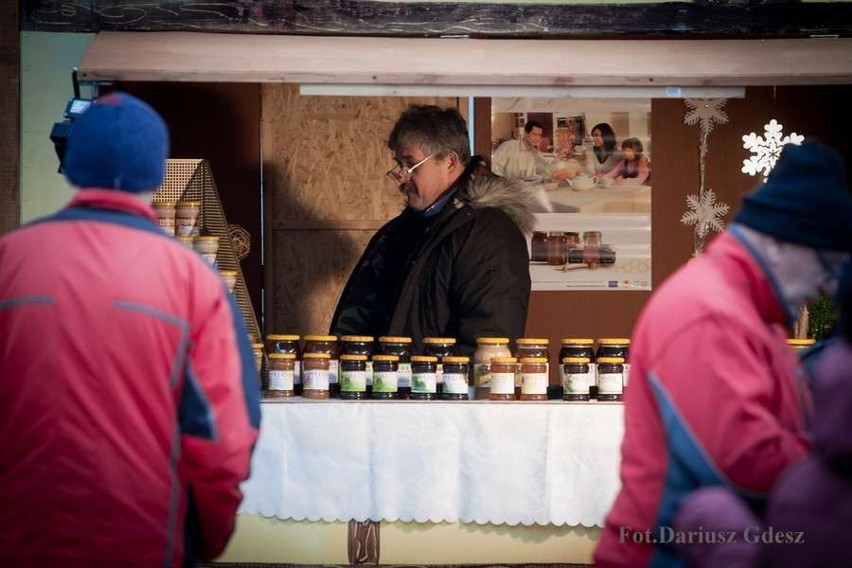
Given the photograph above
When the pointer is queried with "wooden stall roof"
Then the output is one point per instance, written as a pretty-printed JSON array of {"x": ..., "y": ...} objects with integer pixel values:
[{"x": 186, "y": 56}]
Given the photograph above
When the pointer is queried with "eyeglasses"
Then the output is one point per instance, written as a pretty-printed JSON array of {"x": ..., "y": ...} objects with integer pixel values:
[{"x": 402, "y": 174}]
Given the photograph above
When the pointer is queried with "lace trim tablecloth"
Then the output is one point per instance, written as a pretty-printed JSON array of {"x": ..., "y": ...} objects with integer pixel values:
[{"x": 475, "y": 462}]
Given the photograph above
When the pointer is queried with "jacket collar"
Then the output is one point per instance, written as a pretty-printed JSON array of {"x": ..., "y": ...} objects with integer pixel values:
[
  {"x": 114, "y": 200},
  {"x": 750, "y": 273}
]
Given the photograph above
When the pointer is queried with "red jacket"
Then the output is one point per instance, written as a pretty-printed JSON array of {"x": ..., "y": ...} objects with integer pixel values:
[
  {"x": 716, "y": 397},
  {"x": 128, "y": 396}
]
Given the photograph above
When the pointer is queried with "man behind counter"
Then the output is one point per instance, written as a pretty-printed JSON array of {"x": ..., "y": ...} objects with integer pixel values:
[{"x": 454, "y": 263}]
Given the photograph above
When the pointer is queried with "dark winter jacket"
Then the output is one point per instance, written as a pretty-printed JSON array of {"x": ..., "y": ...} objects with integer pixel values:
[{"x": 463, "y": 273}]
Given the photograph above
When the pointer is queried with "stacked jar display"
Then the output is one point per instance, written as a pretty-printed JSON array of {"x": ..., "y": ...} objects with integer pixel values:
[
  {"x": 456, "y": 372},
  {"x": 531, "y": 347},
  {"x": 281, "y": 375},
  {"x": 616, "y": 347},
  {"x": 424, "y": 377},
  {"x": 325, "y": 344},
  {"x": 578, "y": 347},
  {"x": 385, "y": 377},
  {"x": 353, "y": 376},
  {"x": 439, "y": 347},
  {"x": 487, "y": 348},
  {"x": 286, "y": 343},
  {"x": 358, "y": 345},
  {"x": 401, "y": 348}
]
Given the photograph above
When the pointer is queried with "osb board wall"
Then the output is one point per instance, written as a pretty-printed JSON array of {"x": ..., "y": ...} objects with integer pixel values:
[
  {"x": 326, "y": 191},
  {"x": 817, "y": 112},
  {"x": 10, "y": 201}
]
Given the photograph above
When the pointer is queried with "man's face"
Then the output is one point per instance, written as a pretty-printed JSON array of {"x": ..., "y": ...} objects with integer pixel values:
[
  {"x": 428, "y": 181},
  {"x": 533, "y": 137}
]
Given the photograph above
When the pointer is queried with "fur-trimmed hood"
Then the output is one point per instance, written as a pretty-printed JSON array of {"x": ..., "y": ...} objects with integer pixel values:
[{"x": 485, "y": 189}]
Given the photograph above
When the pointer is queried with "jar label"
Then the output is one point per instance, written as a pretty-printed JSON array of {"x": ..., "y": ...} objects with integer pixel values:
[
  {"x": 168, "y": 225},
  {"x": 186, "y": 227},
  {"x": 280, "y": 379},
  {"x": 519, "y": 377},
  {"x": 455, "y": 383},
  {"x": 333, "y": 371},
  {"x": 482, "y": 375},
  {"x": 385, "y": 381},
  {"x": 439, "y": 373},
  {"x": 610, "y": 383},
  {"x": 370, "y": 373},
  {"x": 210, "y": 257},
  {"x": 503, "y": 383},
  {"x": 626, "y": 372},
  {"x": 578, "y": 383},
  {"x": 534, "y": 383},
  {"x": 353, "y": 381},
  {"x": 424, "y": 383},
  {"x": 315, "y": 379},
  {"x": 404, "y": 375}
]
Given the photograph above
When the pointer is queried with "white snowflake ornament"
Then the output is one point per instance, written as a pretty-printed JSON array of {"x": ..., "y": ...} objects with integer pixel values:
[
  {"x": 705, "y": 112},
  {"x": 767, "y": 150},
  {"x": 705, "y": 213}
]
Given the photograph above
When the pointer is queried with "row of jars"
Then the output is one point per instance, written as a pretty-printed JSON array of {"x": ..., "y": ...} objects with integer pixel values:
[
  {"x": 178, "y": 218},
  {"x": 358, "y": 367}
]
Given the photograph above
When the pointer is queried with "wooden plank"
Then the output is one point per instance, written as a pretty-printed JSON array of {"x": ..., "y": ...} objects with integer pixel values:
[
  {"x": 327, "y": 224},
  {"x": 10, "y": 210},
  {"x": 183, "y": 56},
  {"x": 716, "y": 18}
]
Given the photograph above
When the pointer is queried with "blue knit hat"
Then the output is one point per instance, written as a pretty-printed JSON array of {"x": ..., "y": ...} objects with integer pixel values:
[
  {"x": 805, "y": 201},
  {"x": 119, "y": 142}
]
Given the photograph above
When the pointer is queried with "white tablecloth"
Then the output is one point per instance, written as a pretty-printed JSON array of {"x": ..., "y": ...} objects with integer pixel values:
[{"x": 475, "y": 462}]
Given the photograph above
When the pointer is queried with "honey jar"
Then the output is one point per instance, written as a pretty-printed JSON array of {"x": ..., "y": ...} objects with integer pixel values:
[
  {"x": 315, "y": 375},
  {"x": 534, "y": 378},
  {"x": 502, "y": 378},
  {"x": 281, "y": 367}
]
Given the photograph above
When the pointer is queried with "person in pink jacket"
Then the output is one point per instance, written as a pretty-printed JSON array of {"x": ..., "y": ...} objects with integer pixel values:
[
  {"x": 716, "y": 397},
  {"x": 129, "y": 402}
]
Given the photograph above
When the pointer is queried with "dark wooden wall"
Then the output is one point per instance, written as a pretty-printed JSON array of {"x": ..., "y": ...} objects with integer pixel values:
[
  {"x": 704, "y": 18},
  {"x": 10, "y": 126}
]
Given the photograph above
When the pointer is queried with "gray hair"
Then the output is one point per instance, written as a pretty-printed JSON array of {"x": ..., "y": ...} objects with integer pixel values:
[{"x": 437, "y": 130}]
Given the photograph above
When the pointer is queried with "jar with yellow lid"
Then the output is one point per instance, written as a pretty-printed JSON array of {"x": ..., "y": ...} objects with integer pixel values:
[
  {"x": 439, "y": 347},
  {"x": 165, "y": 211},
  {"x": 288, "y": 343},
  {"x": 315, "y": 375},
  {"x": 577, "y": 385},
  {"x": 353, "y": 376},
  {"x": 385, "y": 377},
  {"x": 526, "y": 347},
  {"x": 360, "y": 345},
  {"x": 229, "y": 278},
  {"x": 326, "y": 344},
  {"x": 578, "y": 347},
  {"x": 186, "y": 241},
  {"x": 401, "y": 347},
  {"x": 487, "y": 348},
  {"x": 502, "y": 379},
  {"x": 610, "y": 378},
  {"x": 281, "y": 367},
  {"x": 456, "y": 373},
  {"x": 616, "y": 347},
  {"x": 800, "y": 345},
  {"x": 186, "y": 217},
  {"x": 424, "y": 377},
  {"x": 534, "y": 378},
  {"x": 208, "y": 247}
]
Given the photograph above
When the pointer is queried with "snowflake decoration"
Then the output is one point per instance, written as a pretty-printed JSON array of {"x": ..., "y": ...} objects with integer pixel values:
[
  {"x": 766, "y": 150},
  {"x": 705, "y": 213},
  {"x": 705, "y": 112}
]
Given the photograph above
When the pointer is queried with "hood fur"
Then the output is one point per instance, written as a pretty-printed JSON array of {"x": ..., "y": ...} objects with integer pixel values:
[{"x": 485, "y": 189}]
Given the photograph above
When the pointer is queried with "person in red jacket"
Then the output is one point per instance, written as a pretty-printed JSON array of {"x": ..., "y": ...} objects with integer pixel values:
[
  {"x": 716, "y": 397},
  {"x": 129, "y": 401}
]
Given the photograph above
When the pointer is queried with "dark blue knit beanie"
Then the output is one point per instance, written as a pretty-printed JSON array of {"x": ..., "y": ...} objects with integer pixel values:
[
  {"x": 805, "y": 201},
  {"x": 119, "y": 142}
]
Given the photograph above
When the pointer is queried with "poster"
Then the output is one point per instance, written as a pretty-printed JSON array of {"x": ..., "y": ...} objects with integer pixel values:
[{"x": 589, "y": 165}]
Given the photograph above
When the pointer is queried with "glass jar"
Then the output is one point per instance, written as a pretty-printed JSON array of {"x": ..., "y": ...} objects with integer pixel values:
[
  {"x": 538, "y": 247},
  {"x": 439, "y": 347},
  {"x": 424, "y": 377},
  {"x": 800, "y": 345},
  {"x": 610, "y": 378},
  {"x": 288, "y": 343},
  {"x": 360, "y": 345},
  {"x": 353, "y": 376},
  {"x": 577, "y": 383},
  {"x": 486, "y": 349},
  {"x": 616, "y": 347},
  {"x": 579, "y": 347},
  {"x": 502, "y": 383},
  {"x": 326, "y": 344},
  {"x": 315, "y": 375},
  {"x": 385, "y": 377},
  {"x": 166, "y": 212},
  {"x": 401, "y": 347},
  {"x": 531, "y": 347},
  {"x": 534, "y": 378},
  {"x": 281, "y": 366},
  {"x": 208, "y": 247},
  {"x": 186, "y": 218},
  {"x": 557, "y": 248},
  {"x": 456, "y": 373}
]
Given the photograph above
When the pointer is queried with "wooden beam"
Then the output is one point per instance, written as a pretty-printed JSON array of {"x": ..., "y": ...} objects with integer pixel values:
[
  {"x": 702, "y": 18},
  {"x": 180, "y": 56}
]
